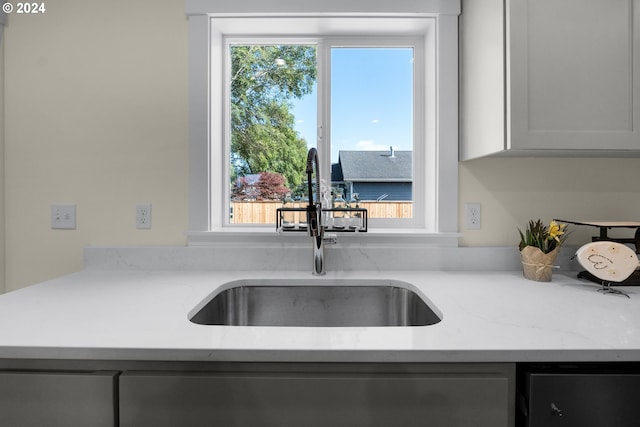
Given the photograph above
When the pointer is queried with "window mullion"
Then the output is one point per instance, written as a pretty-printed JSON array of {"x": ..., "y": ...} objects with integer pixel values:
[{"x": 324, "y": 109}]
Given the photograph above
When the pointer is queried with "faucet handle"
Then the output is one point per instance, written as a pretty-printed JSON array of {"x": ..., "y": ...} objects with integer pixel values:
[{"x": 313, "y": 220}]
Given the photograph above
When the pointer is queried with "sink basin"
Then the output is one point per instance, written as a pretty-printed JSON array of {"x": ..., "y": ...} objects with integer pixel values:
[{"x": 337, "y": 303}]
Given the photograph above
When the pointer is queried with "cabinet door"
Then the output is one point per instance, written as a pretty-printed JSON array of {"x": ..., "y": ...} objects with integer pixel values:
[
  {"x": 57, "y": 399},
  {"x": 312, "y": 399},
  {"x": 574, "y": 74}
]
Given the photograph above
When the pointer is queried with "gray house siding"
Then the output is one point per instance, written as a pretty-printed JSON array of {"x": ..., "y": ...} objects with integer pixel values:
[
  {"x": 396, "y": 191},
  {"x": 374, "y": 175}
]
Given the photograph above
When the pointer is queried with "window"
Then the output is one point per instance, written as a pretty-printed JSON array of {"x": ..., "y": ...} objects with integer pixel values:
[
  {"x": 271, "y": 124},
  {"x": 373, "y": 102},
  {"x": 429, "y": 39},
  {"x": 273, "y": 120}
]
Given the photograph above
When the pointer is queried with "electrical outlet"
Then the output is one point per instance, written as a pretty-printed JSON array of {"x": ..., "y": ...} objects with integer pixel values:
[
  {"x": 143, "y": 216},
  {"x": 472, "y": 216},
  {"x": 63, "y": 217}
]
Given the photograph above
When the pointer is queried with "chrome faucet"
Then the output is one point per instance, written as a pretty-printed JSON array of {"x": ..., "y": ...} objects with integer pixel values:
[{"x": 314, "y": 214}]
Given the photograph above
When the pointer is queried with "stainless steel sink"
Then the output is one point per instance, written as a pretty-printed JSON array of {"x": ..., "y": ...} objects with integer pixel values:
[{"x": 315, "y": 303}]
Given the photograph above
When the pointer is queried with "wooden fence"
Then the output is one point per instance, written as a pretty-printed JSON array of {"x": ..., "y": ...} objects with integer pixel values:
[{"x": 264, "y": 212}]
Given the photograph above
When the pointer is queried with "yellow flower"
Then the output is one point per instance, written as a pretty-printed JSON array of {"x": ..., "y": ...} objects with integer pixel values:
[
  {"x": 555, "y": 230},
  {"x": 546, "y": 238}
]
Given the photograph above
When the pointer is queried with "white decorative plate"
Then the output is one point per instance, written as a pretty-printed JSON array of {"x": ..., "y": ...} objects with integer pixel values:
[{"x": 608, "y": 261}]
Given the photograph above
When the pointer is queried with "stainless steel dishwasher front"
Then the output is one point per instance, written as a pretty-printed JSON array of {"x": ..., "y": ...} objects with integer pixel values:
[{"x": 592, "y": 398}]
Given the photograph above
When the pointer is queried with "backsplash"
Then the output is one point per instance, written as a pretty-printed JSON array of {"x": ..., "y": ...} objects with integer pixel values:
[{"x": 299, "y": 259}]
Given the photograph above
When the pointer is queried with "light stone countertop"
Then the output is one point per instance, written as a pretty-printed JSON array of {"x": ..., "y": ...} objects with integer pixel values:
[{"x": 487, "y": 317}]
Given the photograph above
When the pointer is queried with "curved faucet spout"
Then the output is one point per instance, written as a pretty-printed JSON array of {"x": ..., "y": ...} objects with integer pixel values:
[
  {"x": 314, "y": 213},
  {"x": 312, "y": 157}
]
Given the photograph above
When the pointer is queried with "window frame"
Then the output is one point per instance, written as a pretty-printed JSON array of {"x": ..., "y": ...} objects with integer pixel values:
[
  {"x": 324, "y": 46},
  {"x": 206, "y": 113}
]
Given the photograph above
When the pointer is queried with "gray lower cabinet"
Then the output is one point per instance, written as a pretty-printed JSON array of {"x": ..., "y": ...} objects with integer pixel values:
[
  {"x": 451, "y": 399},
  {"x": 64, "y": 399}
]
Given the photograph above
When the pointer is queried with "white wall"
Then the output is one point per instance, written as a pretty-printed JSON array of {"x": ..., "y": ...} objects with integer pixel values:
[
  {"x": 514, "y": 190},
  {"x": 96, "y": 114}
]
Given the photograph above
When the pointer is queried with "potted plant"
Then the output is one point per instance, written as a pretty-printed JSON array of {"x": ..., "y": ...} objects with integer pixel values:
[{"x": 539, "y": 247}]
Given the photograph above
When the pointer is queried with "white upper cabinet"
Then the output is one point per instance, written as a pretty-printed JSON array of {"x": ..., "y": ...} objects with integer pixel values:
[{"x": 550, "y": 77}]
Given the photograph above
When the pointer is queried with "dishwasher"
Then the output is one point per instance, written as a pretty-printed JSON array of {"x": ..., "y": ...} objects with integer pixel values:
[{"x": 602, "y": 395}]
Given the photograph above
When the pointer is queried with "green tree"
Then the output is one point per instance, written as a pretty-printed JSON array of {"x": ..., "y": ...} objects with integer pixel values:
[{"x": 264, "y": 81}]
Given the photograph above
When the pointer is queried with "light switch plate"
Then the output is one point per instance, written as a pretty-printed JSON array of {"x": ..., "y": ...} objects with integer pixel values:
[{"x": 63, "y": 217}]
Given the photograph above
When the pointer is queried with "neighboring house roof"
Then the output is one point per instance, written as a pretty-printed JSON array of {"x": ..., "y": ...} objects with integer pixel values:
[{"x": 374, "y": 166}]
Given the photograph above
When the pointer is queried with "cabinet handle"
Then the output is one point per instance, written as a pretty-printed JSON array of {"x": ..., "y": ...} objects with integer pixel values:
[{"x": 555, "y": 411}]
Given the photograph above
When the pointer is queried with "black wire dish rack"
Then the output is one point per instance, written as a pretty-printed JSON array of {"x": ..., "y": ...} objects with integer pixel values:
[{"x": 349, "y": 220}]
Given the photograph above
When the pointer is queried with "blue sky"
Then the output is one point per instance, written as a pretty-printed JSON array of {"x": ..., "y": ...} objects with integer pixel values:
[{"x": 372, "y": 92}]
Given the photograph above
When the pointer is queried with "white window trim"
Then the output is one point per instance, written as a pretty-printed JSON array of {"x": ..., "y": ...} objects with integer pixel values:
[{"x": 207, "y": 31}]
